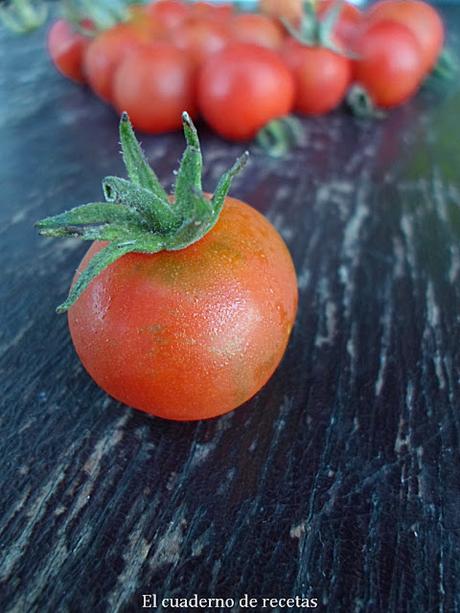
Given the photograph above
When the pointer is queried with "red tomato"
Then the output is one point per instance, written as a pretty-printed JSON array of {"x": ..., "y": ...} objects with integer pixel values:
[
  {"x": 422, "y": 20},
  {"x": 347, "y": 23},
  {"x": 200, "y": 38},
  {"x": 104, "y": 54},
  {"x": 194, "y": 333},
  {"x": 258, "y": 29},
  {"x": 390, "y": 64},
  {"x": 154, "y": 85},
  {"x": 242, "y": 88},
  {"x": 66, "y": 48},
  {"x": 167, "y": 13},
  {"x": 322, "y": 77}
]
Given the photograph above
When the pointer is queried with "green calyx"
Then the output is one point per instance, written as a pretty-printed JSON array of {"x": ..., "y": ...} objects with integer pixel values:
[
  {"x": 316, "y": 32},
  {"x": 137, "y": 215}
]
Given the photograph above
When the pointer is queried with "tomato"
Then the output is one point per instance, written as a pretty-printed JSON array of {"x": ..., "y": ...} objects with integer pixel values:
[
  {"x": 242, "y": 88},
  {"x": 186, "y": 312},
  {"x": 167, "y": 13},
  {"x": 291, "y": 10},
  {"x": 258, "y": 29},
  {"x": 347, "y": 23},
  {"x": 154, "y": 85},
  {"x": 322, "y": 77},
  {"x": 217, "y": 12},
  {"x": 390, "y": 65},
  {"x": 66, "y": 48},
  {"x": 200, "y": 38},
  {"x": 422, "y": 20},
  {"x": 190, "y": 334},
  {"x": 104, "y": 54}
]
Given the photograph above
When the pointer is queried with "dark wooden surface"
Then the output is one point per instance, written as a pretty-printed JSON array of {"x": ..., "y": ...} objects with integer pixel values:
[{"x": 341, "y": 479}]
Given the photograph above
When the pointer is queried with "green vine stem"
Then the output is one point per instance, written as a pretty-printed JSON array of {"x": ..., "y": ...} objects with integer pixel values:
[
  {"x": 138, "y": 216},
  {"x": 102, "y": 15},
  {"x": 446, "y": 70},
  {"x": 316, "y": 32},
  {"x": 23, "y": 16}
]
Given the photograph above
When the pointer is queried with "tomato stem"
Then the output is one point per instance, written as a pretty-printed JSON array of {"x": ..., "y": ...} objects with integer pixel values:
[
  {"x": 279, "y": 136},
  {"x": 316, "y": 32},
  {"x": 138, "y": 216},
  {"x": 362, "y": 105}
]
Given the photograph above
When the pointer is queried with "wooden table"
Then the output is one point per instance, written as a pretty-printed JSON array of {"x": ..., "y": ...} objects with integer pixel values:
[{"x": 341, "y": 480}]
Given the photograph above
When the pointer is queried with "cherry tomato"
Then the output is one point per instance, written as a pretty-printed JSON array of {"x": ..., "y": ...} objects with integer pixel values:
[
  {"x": 422, "y": 20},
  {"x": 242, "y": 88},
  {"x": 104, "y": 54},
  {"x": 154, "y": 85},
  {"x": 258, "y": 29},
  {"x": 200, "y": 38},
  {"x": 322, "y": 77},
  {"x": 66, "y": 48},
  {"x": 167, "y": 14},
  {"x": 390, "y": 64},
  {"x": 218, "y": 314},
  {"x": 217, "y": 12},
  {"x": 347, "y": 23}
]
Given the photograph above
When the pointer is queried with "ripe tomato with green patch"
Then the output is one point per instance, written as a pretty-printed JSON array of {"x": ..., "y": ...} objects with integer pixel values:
[{"x": 183, "y": 306}]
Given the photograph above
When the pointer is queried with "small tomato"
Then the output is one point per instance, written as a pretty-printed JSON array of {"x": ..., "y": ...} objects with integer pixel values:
[
  {"x": 243, "y": 88},
  {"x": 200, "y": 38},
  {"x": 322, "y": 77},
  {"x": 258, "y": 29},
  {"x": 390, "y": 64},
  {"x": 104, "y": 54},
  {"x": 66, "y": 48},
  {"x": 420, "y": 18},
  {"x": 154, "y": 84}
]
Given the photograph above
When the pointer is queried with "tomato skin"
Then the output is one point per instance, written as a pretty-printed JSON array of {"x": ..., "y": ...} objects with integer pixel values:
[
  {"x": 66, "y": 48},
  {"x": 257, "y": 29},
  {"x": 242, "y": 88},
  {"x": 420, "y": 18},
  {"x": 103, "y": 55},
  {"x": 215, "y": 12},
  {"x": 190, "y": 334},
  {"x": 200, "y": 38},
  {"x": 390, "y": 67},
  {"x": 322, "y": 77},
  {"x": 167, "y": 14},
  {"x": 154, "y": 85}
]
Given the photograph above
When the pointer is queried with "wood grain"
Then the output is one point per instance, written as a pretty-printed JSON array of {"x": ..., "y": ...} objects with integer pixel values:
[{"x": 340, "y": 480}]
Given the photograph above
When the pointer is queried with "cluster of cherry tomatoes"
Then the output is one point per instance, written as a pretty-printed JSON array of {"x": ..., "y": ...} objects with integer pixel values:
[{"x": 240, "y": 70}]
